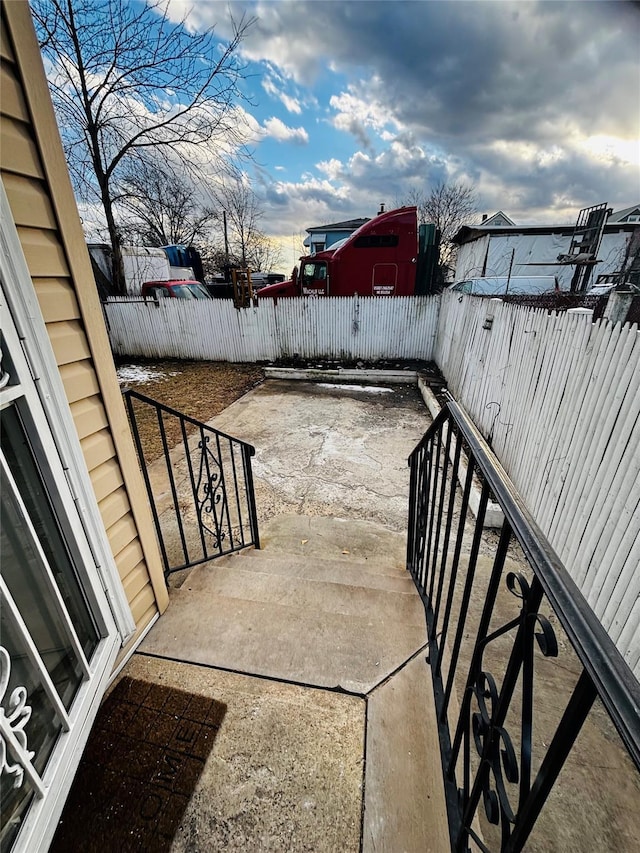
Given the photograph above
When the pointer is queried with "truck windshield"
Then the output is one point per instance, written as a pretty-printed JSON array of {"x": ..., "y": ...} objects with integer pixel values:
[
  {"x": 314, "y": 271},
  {"x": 190, "y": 291}
]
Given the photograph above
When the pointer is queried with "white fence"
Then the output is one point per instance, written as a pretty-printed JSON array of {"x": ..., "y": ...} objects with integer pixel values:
[
  {"x": 351, "y": 328},
  {"x": 559, "y": 399}
]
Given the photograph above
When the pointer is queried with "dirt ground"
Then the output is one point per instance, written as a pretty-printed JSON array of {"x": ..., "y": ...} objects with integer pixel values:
[{"x": 199, "y": 389}]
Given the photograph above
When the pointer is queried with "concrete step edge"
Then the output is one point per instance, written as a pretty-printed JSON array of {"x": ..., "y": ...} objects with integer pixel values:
[
  {"x": 339, "y": 573},
  {"x": 200, "y": 580},
  {"x": 374, "y": 565},
  {"x": 220, "y": 598}
]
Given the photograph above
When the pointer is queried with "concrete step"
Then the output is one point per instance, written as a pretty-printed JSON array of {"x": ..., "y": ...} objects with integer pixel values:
[
  {"x": 312, "y": 593},
  {"x": 375, "y": 574},
  {"x": 298, "y": 641},
  {"x": 329, "y": 537}
]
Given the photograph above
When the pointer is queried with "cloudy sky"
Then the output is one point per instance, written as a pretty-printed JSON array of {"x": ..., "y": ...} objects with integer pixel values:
[{"x": 357, "y": 102}]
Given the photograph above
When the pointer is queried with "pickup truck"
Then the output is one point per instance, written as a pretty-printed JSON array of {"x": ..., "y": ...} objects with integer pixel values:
[{"x": 175, "y": 289}]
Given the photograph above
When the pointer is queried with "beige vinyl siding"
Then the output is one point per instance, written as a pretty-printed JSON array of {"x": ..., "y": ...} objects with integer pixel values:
[
  {"x": 144, "y": 607},
  {"x": 44, "y": 212},
  {"x": 57, "y": 299},
  {"x": 29, "y": 205},
  {"x": 106, "y": 478},
  {"x": 131, "y": 558},
  {"x": 69, "y": 341},
  {"x": 79, "y": 380},
  {"x": 89, "y": 416},
  {"x": 5, "y": 48},
  {"x": 114, "y": 507}
]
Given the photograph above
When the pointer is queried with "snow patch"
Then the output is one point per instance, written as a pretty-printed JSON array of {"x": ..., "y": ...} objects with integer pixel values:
[
  {"x": 370, "y": 389},
  {"x": 136, "y": 373}
]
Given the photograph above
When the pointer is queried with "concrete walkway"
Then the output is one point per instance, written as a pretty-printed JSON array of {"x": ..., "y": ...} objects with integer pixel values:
[{"x": 317, "y": 643}]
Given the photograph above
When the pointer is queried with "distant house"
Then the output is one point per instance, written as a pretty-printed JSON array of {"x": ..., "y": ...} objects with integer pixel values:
[
  {"x": 498, "y": 219},
  {"x": 322, "y": 237},
  {"x": 495, "y": 248},
  {"x": 629, "y": 214}
]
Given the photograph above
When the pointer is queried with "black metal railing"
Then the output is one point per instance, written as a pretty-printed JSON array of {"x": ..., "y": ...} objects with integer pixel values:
[
  {"x": 485, "y": 617},
  {"x": 199, "y": 482}
]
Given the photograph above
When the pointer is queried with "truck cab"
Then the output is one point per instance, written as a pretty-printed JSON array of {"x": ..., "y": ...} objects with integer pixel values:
[{"x": 378, "y": 259}]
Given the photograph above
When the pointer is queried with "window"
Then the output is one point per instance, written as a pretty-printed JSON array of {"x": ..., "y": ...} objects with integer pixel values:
[
  {"x": 157, "y": 292},
  {"x": 376, "y": 241},
  {"x": 314, "y": 272},
  {"x": 189, "y": 291}
]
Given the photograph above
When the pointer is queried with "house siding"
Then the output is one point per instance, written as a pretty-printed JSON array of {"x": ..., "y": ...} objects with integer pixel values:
[{"x": 31, "y": 162}]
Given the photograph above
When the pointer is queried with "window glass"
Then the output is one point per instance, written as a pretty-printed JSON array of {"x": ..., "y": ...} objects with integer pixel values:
[
  {"x": 21, "y": 568},
  {"x": 156, "y": 292},
  {"x": 189, "y": 291},
  {"x": 376, "y": 241},
  {"x": 315, "y": 272}
]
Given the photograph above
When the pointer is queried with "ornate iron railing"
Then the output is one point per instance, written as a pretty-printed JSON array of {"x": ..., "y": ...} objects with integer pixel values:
[
  {"x": 199, "y": 482},
  {"x": 485, "y": 617}
]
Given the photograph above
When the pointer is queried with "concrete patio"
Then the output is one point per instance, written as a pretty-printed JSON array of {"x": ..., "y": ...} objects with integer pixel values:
[{"x": 316, "y": 643}]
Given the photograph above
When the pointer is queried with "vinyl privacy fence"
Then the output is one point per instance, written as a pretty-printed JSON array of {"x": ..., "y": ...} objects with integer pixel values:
[
  {"x": 367, "y": 328},
  {"x": 558, "y": 397}
]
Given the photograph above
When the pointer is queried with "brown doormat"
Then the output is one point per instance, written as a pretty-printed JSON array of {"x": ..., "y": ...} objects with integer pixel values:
[{"x": 144, "y": 756}]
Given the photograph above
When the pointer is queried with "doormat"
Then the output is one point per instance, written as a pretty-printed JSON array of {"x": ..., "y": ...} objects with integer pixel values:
[{"x": 142, "y": 761}]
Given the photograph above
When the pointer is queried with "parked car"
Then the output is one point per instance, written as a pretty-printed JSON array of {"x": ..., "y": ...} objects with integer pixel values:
[
  {"x": 176, "y": 289},
  {"x": 502, "y": 285}
]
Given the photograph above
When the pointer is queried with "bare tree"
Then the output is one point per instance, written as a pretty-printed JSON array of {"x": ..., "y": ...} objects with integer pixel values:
[
  {"x": 125, "y": 79},
  {"x": 264, "y": 253},
  {"x": 161, "y": 207},
  {"x": 236, "y": 197},
  {"x": 448, "y": 207}
]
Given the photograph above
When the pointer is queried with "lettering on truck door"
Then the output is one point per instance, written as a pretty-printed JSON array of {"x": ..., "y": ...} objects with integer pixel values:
[{"x": 385, "y": 278}]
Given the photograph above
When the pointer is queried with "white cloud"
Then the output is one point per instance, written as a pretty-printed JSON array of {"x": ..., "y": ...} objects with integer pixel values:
[
  {"x": 333, "y": 169},
  {"x": 269, "y": 86},
  {"x": 277, "y": 129},
  {"x": 357, "y": 110},
  {"x": 290, "y": 103},
  {"x": 613, "y": 148}
]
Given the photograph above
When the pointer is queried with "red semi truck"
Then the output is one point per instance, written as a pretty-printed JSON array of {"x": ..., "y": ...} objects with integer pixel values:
[{"x": 387, "y": 256}]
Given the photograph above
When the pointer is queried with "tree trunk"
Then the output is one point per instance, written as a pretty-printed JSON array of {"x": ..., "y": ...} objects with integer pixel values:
[{"x": 117, "y": 266}]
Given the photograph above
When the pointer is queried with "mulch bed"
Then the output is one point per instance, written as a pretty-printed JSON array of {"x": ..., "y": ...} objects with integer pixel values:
[{"x": 142, "y": 761}]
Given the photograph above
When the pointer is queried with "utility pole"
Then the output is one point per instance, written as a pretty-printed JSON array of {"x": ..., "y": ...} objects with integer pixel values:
[{"x": 226, "y": 239}]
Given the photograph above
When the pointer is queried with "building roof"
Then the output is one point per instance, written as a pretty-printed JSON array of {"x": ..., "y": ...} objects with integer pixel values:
[
  {"x": 347, "y": 225},
  {"x": 472, "y": 232},
  {"x": 494, "y": 220},
  {"x": 621, "y": 215}
]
